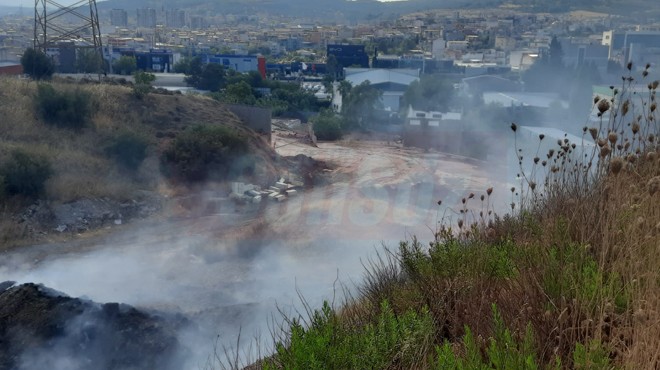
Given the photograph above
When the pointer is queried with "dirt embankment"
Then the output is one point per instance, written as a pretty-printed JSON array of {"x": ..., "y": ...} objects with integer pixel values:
[
  {"x": 42, "y": 328},
  {"x": 88, "y": 189}
]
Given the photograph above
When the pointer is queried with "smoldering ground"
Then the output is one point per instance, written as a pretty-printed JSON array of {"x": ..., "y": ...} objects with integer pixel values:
[{"x": 227, "y": 272}]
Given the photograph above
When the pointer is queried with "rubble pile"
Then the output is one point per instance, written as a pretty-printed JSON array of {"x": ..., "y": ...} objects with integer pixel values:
[{"x": 280, "y": 191}]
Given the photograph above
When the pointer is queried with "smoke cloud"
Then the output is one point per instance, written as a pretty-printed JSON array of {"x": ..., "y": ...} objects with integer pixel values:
[{"x": 227, "y": 271}]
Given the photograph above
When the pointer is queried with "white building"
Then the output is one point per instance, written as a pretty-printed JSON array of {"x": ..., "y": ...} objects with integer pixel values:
[{"x": 393, "y": 83}]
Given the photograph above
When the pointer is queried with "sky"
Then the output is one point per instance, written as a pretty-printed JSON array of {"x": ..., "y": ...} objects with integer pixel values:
[
  {"x": 14, "y": 2},
  {"x": 30, "y": 3}
]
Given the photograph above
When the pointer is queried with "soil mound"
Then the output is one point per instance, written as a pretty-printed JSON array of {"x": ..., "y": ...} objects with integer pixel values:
[{"x": 41, "y": 328}]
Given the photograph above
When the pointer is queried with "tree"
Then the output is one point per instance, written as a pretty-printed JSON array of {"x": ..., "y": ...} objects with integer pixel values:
[
  {"x": 240, "y": 93},
  {"x": 333, "y": 66},
  {"x": 189, "y": 66},
  {"x": 548, "y": 74},
  {"x": 359, "y": 103},
  {"x": 125, "y": 65},
  {"x": 429, "y": 93},
  {"x": 252, "y": 78},
  {"x": 327, "y": 126},
  {"x": 37, "y": 64},
  {"x": 211, "y": 76},
  {"x": 556, "y": 54},
  {"x": 89, "y": 61}
]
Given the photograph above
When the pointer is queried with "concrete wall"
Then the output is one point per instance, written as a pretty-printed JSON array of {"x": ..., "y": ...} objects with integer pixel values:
[{"x": 255, "y": 118}]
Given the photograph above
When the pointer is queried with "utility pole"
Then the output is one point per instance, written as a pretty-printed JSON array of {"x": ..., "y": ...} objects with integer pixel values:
[{"x": 55, "y": 23}]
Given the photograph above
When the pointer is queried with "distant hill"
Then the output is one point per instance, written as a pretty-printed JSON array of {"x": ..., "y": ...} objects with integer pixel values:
[
  {"x": 343, "y": 10},
  {"x": 326, "y": 9},
  {"x": 605, "y": 6}
]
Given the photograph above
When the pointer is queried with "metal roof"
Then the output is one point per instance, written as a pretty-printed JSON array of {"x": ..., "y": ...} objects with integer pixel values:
[{"x": 381, "y": 76}]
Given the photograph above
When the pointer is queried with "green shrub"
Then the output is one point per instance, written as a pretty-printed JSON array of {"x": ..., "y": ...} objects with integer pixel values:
[
  {"x": 208, "y": 152},
  {"x": 329, "y": 344},
  {"x": 128, "y": 149},
  {"x": 572, "y": 272},
  {"x": 456, "y": 259},
  {"x": 591, "y": 356},
  {"x": 503, "y": 351},
  {"x": 142, "y": 85},
  {"x": 327, "y": 126},
  {"x": 68, "y": 109},
  {"x": 25, "y": 174}
]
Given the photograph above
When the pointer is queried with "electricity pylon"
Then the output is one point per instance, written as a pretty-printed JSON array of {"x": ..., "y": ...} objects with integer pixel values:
[{"x": 55, "y": 23}]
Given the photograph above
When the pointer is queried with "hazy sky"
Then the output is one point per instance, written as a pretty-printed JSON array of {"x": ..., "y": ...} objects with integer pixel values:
[
  {"x": 30, "y": 3},
  {"x": 14, "y": 2}
]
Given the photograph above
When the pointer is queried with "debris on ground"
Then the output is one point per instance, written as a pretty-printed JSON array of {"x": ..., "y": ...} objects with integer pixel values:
[
  {"x": 86, "y": 214},
  {"x": 280, "y": 191}
]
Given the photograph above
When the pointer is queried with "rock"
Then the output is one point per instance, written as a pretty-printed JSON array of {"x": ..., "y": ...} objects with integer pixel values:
[{"x": 118, "y": 221}]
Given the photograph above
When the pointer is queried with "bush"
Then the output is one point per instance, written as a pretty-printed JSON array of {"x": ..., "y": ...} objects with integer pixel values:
[
  {"x": 144, "y": 78},
  {"x": 25, "y": 174},
  {"x": 128, "y": 150},
  {"x": 330, "y": 344},
  {"x": 504, "y": 350},
  {"x": 208, "y": 152},
  {"x": 37, "y": 64},
  {"x": 142, "y": 85},
  {"x": 327, "y": 126},
  {"x": 68, "y": 109}
]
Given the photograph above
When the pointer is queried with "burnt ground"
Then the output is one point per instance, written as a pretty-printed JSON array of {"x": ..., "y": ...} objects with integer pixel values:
[{"x": 42, "y": 328}]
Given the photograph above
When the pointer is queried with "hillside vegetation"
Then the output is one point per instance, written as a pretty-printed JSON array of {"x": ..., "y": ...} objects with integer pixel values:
[
  {"x": 570, "y": 278},
  {"x": 63, "y": 141}
]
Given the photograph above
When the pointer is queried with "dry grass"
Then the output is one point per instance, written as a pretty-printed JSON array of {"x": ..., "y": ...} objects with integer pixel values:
[{"x": 606, "y": 204}]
